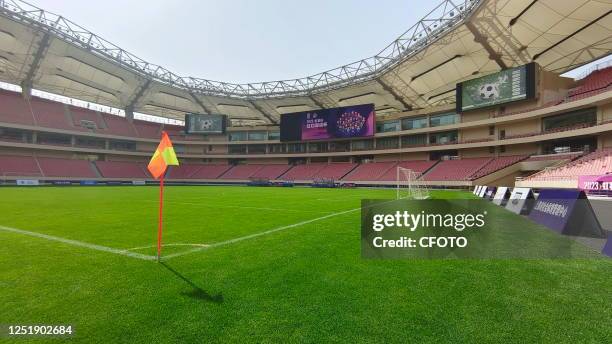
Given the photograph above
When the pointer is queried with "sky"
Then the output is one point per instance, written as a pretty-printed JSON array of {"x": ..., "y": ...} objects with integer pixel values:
[{"x": 245, "y": 41}]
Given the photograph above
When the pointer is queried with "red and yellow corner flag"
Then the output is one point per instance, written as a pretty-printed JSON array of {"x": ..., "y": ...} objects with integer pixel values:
[{"x": 163, "y": 157}]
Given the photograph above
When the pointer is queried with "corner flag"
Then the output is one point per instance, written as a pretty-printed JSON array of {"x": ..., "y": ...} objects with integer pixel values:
[{"x": 162, "y": 158}]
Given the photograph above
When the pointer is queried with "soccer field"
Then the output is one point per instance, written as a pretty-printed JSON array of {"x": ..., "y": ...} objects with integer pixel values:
[{"x": 246, "y": 264}]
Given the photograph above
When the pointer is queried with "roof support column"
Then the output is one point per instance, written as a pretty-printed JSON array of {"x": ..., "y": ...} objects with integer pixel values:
[
  {"x": 200, "y": 103},
  {"x": 129, "y": 114},
  {"x": 30, "y": 71},
  {"x": 135, "y": 98},
  {"x": 260, "y": 110},
  {"x": 407, "y": 107},
  {"x": 478, "y": 37},
  {"x": 318, "y": 103}
]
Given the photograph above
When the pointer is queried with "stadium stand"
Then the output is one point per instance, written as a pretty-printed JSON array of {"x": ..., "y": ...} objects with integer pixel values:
[
  {"x": 183, "y": 171},
  {"x": 271, "y": 172},
  {"x": 334, "y": 171},
  {"x": 177, "y": 132},
  {"x": 14, "y": 109},
  {"x": 596, "y": 163},
  {"x": 82, "y": 117},
  {"x": 496, "y": 165},
  {"x": 54, "y": 167},
  {"x": 196, "y": 171},
  {"x": 120, "y": 169},
  {"x": 118, "y": 126},
  {"x": 303, "y": 172},
  {"x": 419, "y": 167},
  {"x": 146, "y": 129},
  {"x": 173, "y": 130},
  {"x": 596, "y": 82},
  {"x": 18, "y": 166},
  {"x": 370, "y": 171},
  {"x": 241, "y": 172},
  {"x": 569, "y": 156},
  {"x": 51, "y": 115},
  {"x": 460, "y": 169},
  {"x": 210, "y": 171},
  {"x": 382, "y": 171}
]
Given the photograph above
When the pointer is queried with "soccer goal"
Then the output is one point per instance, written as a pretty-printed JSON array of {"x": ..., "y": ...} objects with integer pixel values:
[{"x": 407, "y": 186}]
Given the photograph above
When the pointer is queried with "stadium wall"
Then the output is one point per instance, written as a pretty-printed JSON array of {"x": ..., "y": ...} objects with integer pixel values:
[{"x": 521, "y": 121}]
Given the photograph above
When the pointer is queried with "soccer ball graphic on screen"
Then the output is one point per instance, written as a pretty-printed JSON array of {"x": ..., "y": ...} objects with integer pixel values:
[
  {"x": 207, "y": 124},
  {"x": 489, "y": 91}
]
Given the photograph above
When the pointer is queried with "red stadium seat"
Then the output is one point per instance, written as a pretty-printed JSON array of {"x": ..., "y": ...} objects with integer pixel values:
[
  {"x": 11, "y": 166},
  {"x": 54, "y": 167},
  {"x": 273, "y": 171},
  {"x": 241, "y": 172},
  {"x": 120, "y": 169},
  {"x": 455, "y": 170},
  {"x": 419, "y": 167},
  {"x": 370, "y": 171},
  {"x": 14, "y": 109}
]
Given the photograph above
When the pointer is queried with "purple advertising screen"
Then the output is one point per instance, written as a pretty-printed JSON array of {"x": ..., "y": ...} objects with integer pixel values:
[
  {"x": 554, "y": 207},
  {"x": 343, "y": 122}
]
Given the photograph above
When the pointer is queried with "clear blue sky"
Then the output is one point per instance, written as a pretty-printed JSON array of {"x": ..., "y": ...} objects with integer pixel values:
[{"x": 242, "y": 40}]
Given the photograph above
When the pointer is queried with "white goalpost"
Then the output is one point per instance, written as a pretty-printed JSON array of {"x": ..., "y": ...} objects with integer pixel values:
[{"x": 407, "y": 186}]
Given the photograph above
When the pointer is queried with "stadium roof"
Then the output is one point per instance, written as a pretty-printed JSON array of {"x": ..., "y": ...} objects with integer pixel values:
[{"x": 457, "y": 40}]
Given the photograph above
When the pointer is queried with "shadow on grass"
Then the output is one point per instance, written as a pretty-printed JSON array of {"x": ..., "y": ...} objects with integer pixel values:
[{"x": 196, "y": 292}]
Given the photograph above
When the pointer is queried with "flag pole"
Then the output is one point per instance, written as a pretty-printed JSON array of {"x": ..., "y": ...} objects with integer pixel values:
[{"x": 161, "y": 212}]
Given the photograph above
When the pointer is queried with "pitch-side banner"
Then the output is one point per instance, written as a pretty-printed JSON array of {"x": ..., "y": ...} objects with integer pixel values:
[
  {"x": 554, "y": 208},
  {"x": 521, "y": 201},
  {"x": 482, "y": 192},
  {"x": 595, "y": 183},
  {"x": 27, "y": 182},
  {"x": 567, "y": 211},
  {"x": 502, "y": 194}
]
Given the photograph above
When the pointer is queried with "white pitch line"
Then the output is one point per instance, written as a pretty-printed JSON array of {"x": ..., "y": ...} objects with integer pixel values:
[
  {"x": 165, "y": 245},
  {"x": 79, "y": 243},
  {"x": 251, "y": 236}
]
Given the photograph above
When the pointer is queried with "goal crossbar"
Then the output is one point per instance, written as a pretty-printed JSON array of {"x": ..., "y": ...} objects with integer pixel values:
[{"x": 407, "y": 185}]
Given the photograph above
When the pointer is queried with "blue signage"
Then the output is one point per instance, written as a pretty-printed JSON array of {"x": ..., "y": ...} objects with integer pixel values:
[
  {"x": 566, "y": 211},
  {"x": 554, "y": 208}
]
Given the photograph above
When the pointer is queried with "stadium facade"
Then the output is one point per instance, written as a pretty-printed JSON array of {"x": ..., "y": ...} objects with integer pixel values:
[{"x": 470, "y": 95}]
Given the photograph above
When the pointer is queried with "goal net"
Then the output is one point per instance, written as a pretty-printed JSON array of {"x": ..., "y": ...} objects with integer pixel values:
[{"x": 407, "y": 186}]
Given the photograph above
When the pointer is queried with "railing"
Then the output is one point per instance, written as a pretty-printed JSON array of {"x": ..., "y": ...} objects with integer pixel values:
[{"x": 6, "y": 176}]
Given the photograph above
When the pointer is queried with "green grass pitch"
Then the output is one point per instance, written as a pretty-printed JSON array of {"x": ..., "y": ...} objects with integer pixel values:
[{"x": 304, "y": 283}]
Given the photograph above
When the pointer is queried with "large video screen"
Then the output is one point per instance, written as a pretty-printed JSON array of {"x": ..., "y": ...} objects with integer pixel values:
[
  {"x": 205, "y": 124},
  {"x": 506, "y": 86},
  {"x": 342, "y": 122}
]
